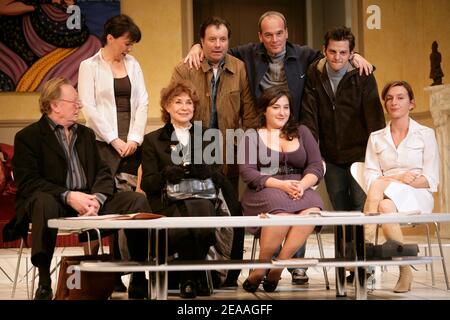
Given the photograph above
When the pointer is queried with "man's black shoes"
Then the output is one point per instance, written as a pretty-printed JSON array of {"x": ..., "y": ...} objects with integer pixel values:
[{"x": 43, "y": 293}]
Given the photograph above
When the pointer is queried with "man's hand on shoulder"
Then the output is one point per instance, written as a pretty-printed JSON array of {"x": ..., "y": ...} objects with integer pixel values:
[
  {"x": 362, "y": 64},
  {"x": 195, "y": 56}
]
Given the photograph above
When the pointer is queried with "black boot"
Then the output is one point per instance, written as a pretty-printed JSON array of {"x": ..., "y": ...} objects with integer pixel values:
[
  {"x": 138, "y": 288},
  {"x": 203, "y": 288},
  {"x": 188, "y": 289},
  {"x": 118, "y": 284},
  {"x": 43, "y": 292}
]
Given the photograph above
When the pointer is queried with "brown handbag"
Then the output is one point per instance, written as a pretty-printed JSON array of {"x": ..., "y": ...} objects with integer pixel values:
[{"x": 75, "y": 285}]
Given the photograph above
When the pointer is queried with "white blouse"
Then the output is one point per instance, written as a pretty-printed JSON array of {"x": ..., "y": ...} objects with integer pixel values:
[
  {"x": 418, "y": 152},
  {"x": 96, "y": 92},
  {"x": 183, "y": 134}
]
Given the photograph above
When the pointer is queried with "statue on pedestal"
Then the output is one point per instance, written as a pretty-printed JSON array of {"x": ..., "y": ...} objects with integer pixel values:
[{"x": 435, "y": 60}]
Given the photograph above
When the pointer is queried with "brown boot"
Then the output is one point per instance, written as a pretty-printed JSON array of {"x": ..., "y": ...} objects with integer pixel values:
[
  {"x": 370, "y": 231},
  {"x": 370, "y": 206},
  {"x": 404, "y": 281},
  {"x": 394, "y": 232}
]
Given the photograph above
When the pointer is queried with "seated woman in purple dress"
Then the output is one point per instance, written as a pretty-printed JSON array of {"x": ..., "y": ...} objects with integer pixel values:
[{"x": 279, "y": 163}]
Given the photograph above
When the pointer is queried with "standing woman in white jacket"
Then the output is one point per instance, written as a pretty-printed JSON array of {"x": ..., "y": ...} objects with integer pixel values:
[
  {"x": 115, "y": 101},
  {"x": 112, "y": 91},
  {"x": 401, "y": 167}
]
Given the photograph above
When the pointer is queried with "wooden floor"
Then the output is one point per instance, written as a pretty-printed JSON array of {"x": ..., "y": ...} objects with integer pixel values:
[{"x": 422, "y": 288}]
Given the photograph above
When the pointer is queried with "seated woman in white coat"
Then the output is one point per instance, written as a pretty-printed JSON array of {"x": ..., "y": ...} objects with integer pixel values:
[{"x": 401, "y": 167}]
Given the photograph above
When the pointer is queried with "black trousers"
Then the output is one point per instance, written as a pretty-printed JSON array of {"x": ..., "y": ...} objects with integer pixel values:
[
  {"x": 190, "y": 243},
  {"x": 42, "y": 206}
]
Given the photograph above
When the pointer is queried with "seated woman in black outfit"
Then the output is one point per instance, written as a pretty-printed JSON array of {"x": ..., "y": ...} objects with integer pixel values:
[{"x": 162, "y": 150}]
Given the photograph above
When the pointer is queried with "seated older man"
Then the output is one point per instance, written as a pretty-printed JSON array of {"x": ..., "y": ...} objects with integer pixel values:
[{"x": 59, "y": 173}]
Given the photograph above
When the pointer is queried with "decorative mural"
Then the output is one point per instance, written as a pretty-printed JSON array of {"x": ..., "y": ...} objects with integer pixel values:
[{"x": 41, "y": 39}]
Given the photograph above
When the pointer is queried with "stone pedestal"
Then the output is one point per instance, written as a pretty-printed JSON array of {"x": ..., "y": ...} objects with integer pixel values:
[{"x": 440, "y": 112}]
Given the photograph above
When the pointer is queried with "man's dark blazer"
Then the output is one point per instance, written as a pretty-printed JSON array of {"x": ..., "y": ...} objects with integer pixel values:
[{"x": 39, "y": 165}]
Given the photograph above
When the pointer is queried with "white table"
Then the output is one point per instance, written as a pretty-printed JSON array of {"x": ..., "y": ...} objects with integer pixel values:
[{"x": 161, "y": 267}]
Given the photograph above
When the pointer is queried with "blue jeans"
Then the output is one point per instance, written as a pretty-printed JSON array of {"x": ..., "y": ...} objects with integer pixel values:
[{"x": 344, "y": 192}]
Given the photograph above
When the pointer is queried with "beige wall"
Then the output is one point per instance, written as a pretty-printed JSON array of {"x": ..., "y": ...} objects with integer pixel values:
[
  {"x": 158, "y": 52},
  {"x": 401, "y": 48},
  {"x": 161, "y": 45}
]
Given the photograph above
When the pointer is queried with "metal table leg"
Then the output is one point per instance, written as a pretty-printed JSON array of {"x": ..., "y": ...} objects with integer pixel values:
[
  {"x": 161, "y": 258},
  {"x": 339, "y": 250},
  {"x": 150, "y": 257},
  {"x": 360, "y": 254},
  {"x": 444, "y": 267}
]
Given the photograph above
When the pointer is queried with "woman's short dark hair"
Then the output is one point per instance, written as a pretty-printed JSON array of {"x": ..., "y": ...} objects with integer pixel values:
[
  {"x": 214, "y": 21},
  {"x": 175, "y": 89},
  {"x": 267, "y": 99},
  {"x": 397, "y": 83},
  {"x": 119, "y": 25}
]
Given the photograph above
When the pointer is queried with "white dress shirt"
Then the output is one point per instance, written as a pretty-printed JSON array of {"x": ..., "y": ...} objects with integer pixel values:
[
  {"x": 418, "y": 152},
  {"x": 96, "y": 92}
]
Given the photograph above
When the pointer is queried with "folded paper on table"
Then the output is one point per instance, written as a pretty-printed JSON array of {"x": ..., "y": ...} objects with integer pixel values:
[
  {"x": 139, "y": 216},
  {"x": 295, "y": 261},
  {"x": 129, "y": 216},
  {"x": 101, "y": 217},
  {"x": 341, "y": 213},
  {"x": 407, "y": 213},
  {"x": 269, "y": 215}
]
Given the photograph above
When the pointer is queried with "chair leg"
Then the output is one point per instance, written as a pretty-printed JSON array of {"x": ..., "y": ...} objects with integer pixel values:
[
  {"x": 254, "y": 248},
  {"x": 102, "y": 250},
  {"x": 376, "y": 234},
  {"x": 89, "y": 243},
  {"x": 55, "y": 268},
  {"x": 6, "y": 274},
  {"x": 210, "y": 281},
  {"x": 438, "y": 235},
  {"x": 433, "y": 282},
  {"x": 383, "y": 268},
  {"x": 33, "y": 279},
  {"x": 322, "y": 256},
  {"x": 16, "y": 274},
  {"x": 28, "y": 270}
]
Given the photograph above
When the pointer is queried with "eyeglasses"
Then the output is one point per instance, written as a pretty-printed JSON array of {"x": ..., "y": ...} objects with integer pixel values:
[{"x": 77, "y": 102}]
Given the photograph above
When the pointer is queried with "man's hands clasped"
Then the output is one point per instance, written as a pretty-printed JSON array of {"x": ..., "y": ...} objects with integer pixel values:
[{"x": 83, "y": 203}]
